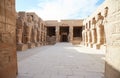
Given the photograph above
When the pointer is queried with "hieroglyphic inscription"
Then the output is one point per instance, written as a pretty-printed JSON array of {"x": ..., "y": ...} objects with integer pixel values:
[
  {"x": 2, "y": 12},
  {"x": 6, "y": 38},
  {"x": 5, "y": 56},
  {"x": 114, "y": 31}
]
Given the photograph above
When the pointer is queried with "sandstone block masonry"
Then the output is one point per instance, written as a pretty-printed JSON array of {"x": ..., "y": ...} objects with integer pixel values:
[
  {"x": 105, "y": 29},
  {"x": 31, "y": 31},
  {"x": 8, "y": 61}
]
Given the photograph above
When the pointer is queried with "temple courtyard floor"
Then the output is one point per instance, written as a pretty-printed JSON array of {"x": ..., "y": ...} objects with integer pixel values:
[{"x": 62, "y": 60}]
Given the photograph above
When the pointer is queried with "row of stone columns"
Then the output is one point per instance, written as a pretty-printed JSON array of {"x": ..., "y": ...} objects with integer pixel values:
[
  {"x": 31, "y": 31},
  {"x": 94, "y": 34}
]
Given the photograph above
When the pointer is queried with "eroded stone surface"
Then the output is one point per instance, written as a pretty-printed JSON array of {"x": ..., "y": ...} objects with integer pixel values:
[{"x": 8, "y": 60}]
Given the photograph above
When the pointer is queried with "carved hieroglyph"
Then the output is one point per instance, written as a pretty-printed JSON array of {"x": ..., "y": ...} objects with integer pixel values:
[{"x": 8, "y": 61}]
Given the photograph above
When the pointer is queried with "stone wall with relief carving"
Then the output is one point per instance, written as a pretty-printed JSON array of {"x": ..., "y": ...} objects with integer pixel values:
[
  {"x": 112, "y": 29},
  {"x": 110, "y": 10},
  {"x": 8, "y": 61},
  {"x": 30, "y": 31}
]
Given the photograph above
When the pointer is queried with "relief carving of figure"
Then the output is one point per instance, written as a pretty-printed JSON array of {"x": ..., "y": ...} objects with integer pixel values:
[{"x": 100, "y": 29}]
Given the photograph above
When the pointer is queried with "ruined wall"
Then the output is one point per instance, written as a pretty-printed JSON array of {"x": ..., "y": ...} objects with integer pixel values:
[
  {"x": 8, "y": 62},
  {"x": 110, "y": 12}
]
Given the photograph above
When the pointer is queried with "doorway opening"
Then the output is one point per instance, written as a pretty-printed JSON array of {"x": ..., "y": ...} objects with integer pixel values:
[
  {"x": 77, "y": 32},
  {"x": 64, "y": 34},
  {"x": 77, "y": 35},
  {"x": 51, "y": 31}
]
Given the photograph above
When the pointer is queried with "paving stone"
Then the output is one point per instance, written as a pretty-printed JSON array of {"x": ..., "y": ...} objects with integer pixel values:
[{"x": 62, "y": 60}]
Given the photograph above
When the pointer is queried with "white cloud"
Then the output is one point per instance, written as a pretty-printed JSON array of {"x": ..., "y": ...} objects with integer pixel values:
[{"x": 64, "y": 9}]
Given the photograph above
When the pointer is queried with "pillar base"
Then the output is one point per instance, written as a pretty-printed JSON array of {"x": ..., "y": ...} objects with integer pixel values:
[
  {"x": 22, "y": 47},
  {"x": 31, "y": 45},
  {"x": 90, "y": 45},
  {"x": 96, "y": 46},
  {"x": 37, "y": 44},
  {"x": 86, "y": 44}
]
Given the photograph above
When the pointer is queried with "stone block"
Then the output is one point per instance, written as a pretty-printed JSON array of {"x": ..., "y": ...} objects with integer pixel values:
[
  {"x": 90, "y": 45},
  {"x": 37, "y": 44},
  {"x": 31, "y": 45},
  {"x": 86, "y": 44},
  {"x": 22, "y": 47},
  {"x": 96, "y": 46}
]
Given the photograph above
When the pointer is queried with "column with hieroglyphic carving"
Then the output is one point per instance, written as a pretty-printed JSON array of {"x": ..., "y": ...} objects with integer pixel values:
[{"x": 8, "y": 60}]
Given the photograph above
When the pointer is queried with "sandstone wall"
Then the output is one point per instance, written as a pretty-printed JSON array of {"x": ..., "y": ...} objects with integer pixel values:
[
  {"x": 8, "y": 62},
  {"x": 112, "y": 29},
  {"x": 31, "y": 31},
  {"x": 110, "y": 10}
]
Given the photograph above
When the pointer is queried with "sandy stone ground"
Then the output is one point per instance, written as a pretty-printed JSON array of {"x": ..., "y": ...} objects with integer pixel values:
[{"x": 62, "y": 60}]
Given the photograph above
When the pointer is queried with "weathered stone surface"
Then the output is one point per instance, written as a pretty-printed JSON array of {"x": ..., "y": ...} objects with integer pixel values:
[
  {"x": 19, "y": 29},
  {"x": 112, "y": 28},
  {"x": 8, "y": 60},
  {"x": 37, "y": 44},
  {"x": 31, "y": 45},
  {"x": 100, "y": 29},
  {"x": 29, "y": 26},
  {"x": 108, "y": 31},
  {"x": 93, "y": 31},
  {"x": 22, "y": 47}
]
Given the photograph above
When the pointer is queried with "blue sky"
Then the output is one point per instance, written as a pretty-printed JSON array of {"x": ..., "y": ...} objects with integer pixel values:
[{"x": 59, "y": 9}]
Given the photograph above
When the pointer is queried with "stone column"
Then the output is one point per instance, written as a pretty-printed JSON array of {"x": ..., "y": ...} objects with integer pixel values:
[
  {"x": 38, "y": 31},
  {"x": 89, "y": 35},
  {"x": 8, "y": 60},
  {"x": 93, "y": 31},
  {"x": 112, "y": 32},
  {"x": 70, "y": 34},
  {"x": 20, "y": 27},
  {"x": 29, "y": 28},
  {"x": 100, "y": 30},
  {"x": 57, "y": 34},
  {"x": 83, "y": 37},
  {"x": 29, "y": 33},
  {"x": 44, "y": 35},
  {"x": 86, "y": 36},
  {"x": 35, "y": 28}
]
